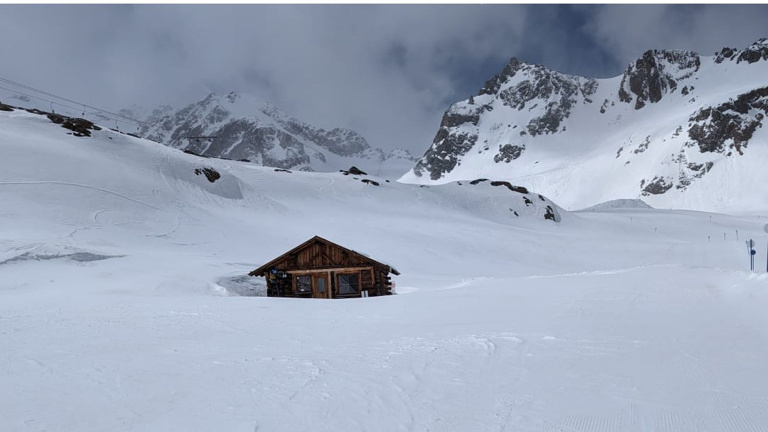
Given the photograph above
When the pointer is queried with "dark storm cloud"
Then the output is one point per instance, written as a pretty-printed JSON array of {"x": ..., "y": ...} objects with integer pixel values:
[{"x": 388, "y": 71}]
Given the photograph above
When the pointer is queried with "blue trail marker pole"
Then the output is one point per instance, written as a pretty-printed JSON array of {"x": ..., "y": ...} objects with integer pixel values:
[{"x": 751, "y": 251}]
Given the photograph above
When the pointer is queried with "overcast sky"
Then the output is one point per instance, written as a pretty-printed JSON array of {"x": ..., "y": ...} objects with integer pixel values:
[{"x": 387, "y": 71}]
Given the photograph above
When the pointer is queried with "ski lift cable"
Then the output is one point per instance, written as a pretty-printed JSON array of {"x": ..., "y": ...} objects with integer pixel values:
[
  {"x": 47, "y": 94},
  {"x": 98, "y": 112},
  {"x": 69, "y": 100},
  {"x": 37, "y": 97}
]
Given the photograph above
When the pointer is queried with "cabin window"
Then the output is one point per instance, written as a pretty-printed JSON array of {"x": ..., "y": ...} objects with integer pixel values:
[
  {"x": 303, "y": 284},
  {"x": 349, "y": 284}
]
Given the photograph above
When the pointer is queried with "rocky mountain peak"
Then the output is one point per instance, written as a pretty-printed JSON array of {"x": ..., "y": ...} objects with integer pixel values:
[
  {"x": 751, "y": 54},
  {"x": 535, "y": 124},
  {"x": 144, "y": 114},
  {"x": 545, "y": 96},
  {"x": 212, "y": 98},
  {"x": 243, "y": 127},
  {"x": 755, "y": 52},
  {"x": 493, "y": 85},
  {"x": 725, "y": 53},
  {"x": 232, "y": 97},
  {"x": 656, "y": 73}
]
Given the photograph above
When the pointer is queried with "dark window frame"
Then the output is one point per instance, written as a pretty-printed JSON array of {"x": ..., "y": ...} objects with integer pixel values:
[
  {"x": 339, "y": 284},
  {"x": 298, "y": 285}
]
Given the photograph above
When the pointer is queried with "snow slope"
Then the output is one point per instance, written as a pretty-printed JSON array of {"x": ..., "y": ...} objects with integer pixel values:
[
  {"x": 114, "y": 311},
  {"x": 677, "y": 129},
  {"x": 620, "y": 204}
]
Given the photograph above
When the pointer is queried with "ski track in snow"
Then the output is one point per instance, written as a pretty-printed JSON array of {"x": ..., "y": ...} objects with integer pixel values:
[
  {"x": 608, "y": 321},
  {"x": 61, "y": 183},
  {"x": 599, "y": 272}
]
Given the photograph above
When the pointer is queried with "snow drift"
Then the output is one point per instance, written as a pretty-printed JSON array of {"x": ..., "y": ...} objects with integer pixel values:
[{"x": 119, "y": 258}]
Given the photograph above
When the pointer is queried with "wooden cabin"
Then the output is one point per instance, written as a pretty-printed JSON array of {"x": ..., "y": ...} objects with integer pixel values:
[{"x": 319, "y": 268}]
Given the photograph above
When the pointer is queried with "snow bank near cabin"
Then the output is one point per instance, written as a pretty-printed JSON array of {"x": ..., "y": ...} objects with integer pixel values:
[{"x": 603, "y": 321}]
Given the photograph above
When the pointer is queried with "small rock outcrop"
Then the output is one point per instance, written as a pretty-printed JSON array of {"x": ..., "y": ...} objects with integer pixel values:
[
  {"x": 508, "y": 153},
  {"x": 211, "y": 174},
  {"x": 657, "y": 186},
  {"x": 80, "y": 127},
  {"x": 354, "y": 171},
  {"x": 508, "y": 185}
]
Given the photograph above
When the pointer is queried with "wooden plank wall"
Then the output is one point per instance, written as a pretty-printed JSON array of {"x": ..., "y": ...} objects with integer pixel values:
[{"x": 321, "y": 256}]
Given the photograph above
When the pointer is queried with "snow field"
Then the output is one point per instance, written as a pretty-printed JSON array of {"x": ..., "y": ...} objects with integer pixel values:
[{"x": 115, "y": 314}]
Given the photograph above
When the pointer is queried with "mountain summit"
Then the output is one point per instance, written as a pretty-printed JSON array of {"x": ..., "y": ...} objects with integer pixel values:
[
  {"x": 241, "y": 127},
  {"x": 676, "y": 129}
]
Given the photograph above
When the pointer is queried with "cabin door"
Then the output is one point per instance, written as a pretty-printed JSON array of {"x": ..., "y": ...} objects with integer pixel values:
[{"x": 320, "y": 287}]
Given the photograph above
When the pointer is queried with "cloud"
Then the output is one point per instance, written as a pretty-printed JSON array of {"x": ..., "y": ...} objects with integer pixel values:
[
  {"x": 387, "y": 71},
  {"x": 626, "y": 31}
]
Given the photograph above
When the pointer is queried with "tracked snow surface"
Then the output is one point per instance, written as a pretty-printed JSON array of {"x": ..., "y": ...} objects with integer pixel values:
[
  {"x": 676, "y": 129},
  {"x": 121, "y": 261}
]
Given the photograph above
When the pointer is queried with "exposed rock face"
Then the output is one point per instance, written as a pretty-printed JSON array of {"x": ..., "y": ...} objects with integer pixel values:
[
  {"x": 508, "y": 153},
  {"x": 242, "y": 139},
  {"x": 657, "y": 186},
  {"x": 551, "y": 94},
  {"x": 692, "y": 172},
  {"x": 493, "y": 85},
  {"x": 670, "y": 119},
  {"x": 452, "y": 140},
  {"x": 232, "y": 127},
  {"x": 733, "y": 122},
  {"x": 211, "y": 174},
  {"x": 510, "y": 186},
  {"x": 725, "y": 53},
  {"x": 656, "y": 73},
  {"x": 80, "y": 127},
  {"x": 354, "y": 171},
  {"x": 550, "y": 214},
  {"x": 756, "y": 52},
  {"x": 557, "y": 92}
]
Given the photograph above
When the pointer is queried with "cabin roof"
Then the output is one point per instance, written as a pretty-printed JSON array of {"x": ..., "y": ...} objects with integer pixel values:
[{"x": 264, "y": 268}]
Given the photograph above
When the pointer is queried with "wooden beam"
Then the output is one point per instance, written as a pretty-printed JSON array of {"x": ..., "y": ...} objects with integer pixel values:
[
  {"x": 373, "y": 281},
  {"x": 332, "y": 262},
  {"x": 335, "y": 269},
  {"x": 311, "y": 261}
]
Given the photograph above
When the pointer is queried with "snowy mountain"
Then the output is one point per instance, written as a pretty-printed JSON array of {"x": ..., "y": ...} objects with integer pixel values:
[
  {"x": 676, "y": 129},
  {"x": 147, "y": 115},
  {"x": 246, "y": 128},
  {"x": 121, "y": 258}
]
